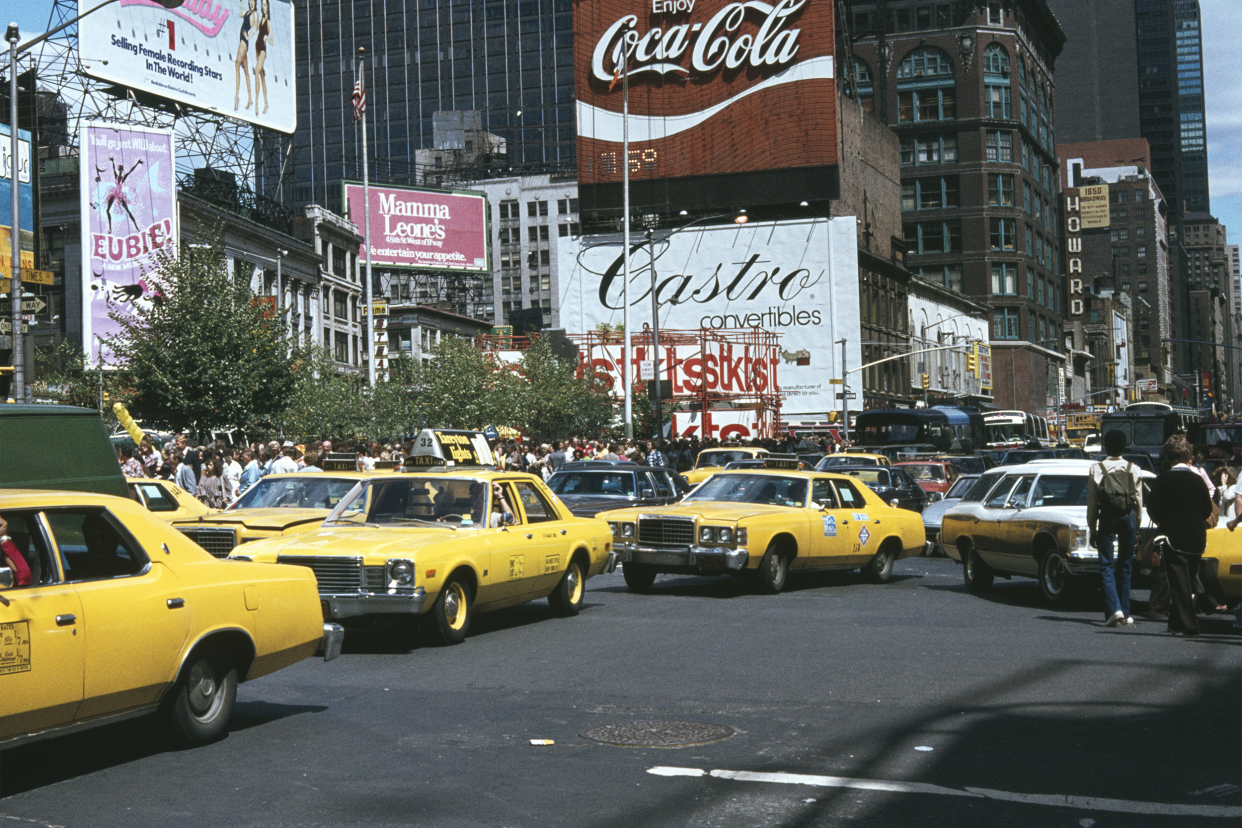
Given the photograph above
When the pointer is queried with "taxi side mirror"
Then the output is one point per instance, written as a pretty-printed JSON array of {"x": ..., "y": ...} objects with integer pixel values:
[{"x": 6, "y": 578}]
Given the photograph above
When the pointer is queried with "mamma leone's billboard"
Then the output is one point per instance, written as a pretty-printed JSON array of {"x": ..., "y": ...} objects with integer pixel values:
[
  {"x": 129, "y": 203},
  {"x": 797, "y": 279},
  {"x": 234, "y": 58},
  {"x": 425, "y": 229}
]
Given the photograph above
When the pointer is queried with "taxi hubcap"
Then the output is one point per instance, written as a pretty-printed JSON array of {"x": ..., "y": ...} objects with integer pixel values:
[
  {"x": 574, "y": 580},
  {"x": 1056, "y": 574},
  {"x": 203, "y": 687},
  {"x": 455, "y": 606}
]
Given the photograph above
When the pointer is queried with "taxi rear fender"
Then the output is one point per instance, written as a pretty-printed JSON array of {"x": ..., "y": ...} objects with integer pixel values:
[
  {"x": 583, "y": 557},
  {"x": 233, "y": 643}
]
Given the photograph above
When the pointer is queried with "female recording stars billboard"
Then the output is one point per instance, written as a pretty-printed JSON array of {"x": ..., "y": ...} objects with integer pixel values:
[
  {"x": 129, "y": 202},
  {"x": 232, "y": 57}
]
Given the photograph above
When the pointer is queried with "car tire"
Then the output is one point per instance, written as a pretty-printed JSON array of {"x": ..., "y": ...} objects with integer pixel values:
[
  {"x": 566, "y": 600},
  {"x": 879, "y": 570},
  {"x": 1054, "y": 577},
  {"x": 773, "y": 570},
  {"x": 638, "y": 577},
  {"x": 977, "y": 574},
  {"x": 451, "y": 613},
  {"x": 202, "y": 700}
]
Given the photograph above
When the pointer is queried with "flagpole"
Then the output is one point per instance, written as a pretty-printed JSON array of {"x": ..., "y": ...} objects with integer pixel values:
[
  {"x": 627, "y": 378},
  {"x": 366, "y": 226}
]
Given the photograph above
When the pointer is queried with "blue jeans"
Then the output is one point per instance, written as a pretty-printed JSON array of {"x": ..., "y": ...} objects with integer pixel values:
[{"x": 1116, "y": 547}]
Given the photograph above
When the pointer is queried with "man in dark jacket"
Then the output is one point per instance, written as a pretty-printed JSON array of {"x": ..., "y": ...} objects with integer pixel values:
[{"x": 1180, "y": 506}]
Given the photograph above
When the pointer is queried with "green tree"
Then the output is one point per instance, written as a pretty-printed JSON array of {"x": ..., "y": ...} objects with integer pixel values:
[
  {"x": 464, "y": 387},
  {"x": 208, "y": 352},
  {"x": 556, "y": 401},
  {"x": 65, "y": 375},
  {"x": 322, "y": 403},
  {"x": 395, "y": 402}
]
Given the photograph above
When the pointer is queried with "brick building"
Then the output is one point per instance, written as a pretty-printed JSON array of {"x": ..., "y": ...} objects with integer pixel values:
[{"x": 969, "y": 90}]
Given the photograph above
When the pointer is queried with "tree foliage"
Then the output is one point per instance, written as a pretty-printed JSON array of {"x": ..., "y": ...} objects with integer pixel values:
[
  {"x": 322, "y": 403},
  {"x": 208, "y": 352},
  {"x": 557, "y": 402},
  {"x": 464, "y": 387}
]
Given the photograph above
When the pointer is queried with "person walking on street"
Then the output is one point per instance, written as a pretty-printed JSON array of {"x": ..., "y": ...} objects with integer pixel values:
[
  {"x": 185, "y": 476},
  {"x": 1180, "y": 506},
  {"x": 1114, "y": 501}
]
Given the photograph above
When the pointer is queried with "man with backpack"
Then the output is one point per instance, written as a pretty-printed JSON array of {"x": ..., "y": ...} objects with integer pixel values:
[{"x": 1114, "y": 501}]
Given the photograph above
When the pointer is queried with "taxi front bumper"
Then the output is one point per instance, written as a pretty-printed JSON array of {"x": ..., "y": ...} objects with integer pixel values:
[
  {"x": 703, "y": 557},
  {"x": 1083, "y": 562},
  {"x": 358, "y": 604}
]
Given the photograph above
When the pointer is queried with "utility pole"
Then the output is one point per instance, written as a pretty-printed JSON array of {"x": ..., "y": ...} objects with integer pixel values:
[
  {"x": 655, "y": 343},
  {"x": 845, "y": 393}
]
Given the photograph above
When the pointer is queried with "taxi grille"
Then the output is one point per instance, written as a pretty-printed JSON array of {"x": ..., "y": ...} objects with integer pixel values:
[
  {"x": 664, "y": 532},
  {"x": 219, "y": 542},
  {"x": 333, "y": 575}
]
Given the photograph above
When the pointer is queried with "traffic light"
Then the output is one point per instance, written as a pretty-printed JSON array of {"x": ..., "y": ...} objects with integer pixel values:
[
  {"x": 926, "y": 382},
  {"x": 971, "y": 363}
]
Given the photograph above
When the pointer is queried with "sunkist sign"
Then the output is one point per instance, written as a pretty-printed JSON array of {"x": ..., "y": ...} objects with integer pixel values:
[{"x": 714, "y": 86}]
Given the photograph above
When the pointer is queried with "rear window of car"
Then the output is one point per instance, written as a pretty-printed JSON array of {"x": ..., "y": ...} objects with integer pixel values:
[
  {"x": 924, "y": 471},
  {"x": 981, "y": 487},
  {"x": 969, "y": 465}
]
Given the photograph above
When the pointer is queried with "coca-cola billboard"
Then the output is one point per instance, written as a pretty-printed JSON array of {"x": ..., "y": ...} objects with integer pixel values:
[
  {"x": 715, "y": 87},
  {"x": 797, "y": 279},
  {"x": 426, "y": 229}
]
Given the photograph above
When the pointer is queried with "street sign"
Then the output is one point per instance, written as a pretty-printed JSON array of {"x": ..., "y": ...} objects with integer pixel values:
[
  {"x": 6, "y": 326},
  {"x": 31, "y": 304},
  {"x": 646, "y": 369},
  {"x": 847, "y": 395},
  {"x": 835, "y": 381}
]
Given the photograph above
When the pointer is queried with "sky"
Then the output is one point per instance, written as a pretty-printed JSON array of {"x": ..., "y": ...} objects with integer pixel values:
[{"x": 1222, "y": 64}]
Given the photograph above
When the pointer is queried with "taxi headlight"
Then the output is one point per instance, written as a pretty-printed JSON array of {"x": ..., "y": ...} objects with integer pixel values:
[
  {"x": 627, "y": 530},
  {"x": 612, "y": 526},
  {"x": 707, "y": 534},
  {"x": 401, "y": 572},
  {"x": 1080, "y": 538},
  {"x": 726, "y": 534}
]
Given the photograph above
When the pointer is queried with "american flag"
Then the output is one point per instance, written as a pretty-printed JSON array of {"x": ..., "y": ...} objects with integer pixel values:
[{"x": 359, "y": 99}]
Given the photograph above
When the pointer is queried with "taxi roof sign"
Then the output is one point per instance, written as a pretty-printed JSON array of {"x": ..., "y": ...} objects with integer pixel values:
[
  {"x": 450, "y": 447},
  {"x": 340, "y": 461},
  {"x": 781, "y": 461}
]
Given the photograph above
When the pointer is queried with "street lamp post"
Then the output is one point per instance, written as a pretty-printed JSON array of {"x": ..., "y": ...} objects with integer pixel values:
[
  {"x": 13, "y": 34},
  {"x": 655, "y": 342}
]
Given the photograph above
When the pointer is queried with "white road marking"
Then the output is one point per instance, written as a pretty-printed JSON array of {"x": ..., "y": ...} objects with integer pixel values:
[{"x": 1084, "y": 803}]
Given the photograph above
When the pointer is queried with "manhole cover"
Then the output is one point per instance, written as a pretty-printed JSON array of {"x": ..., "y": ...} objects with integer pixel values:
[{"x": 659, "y": 734}]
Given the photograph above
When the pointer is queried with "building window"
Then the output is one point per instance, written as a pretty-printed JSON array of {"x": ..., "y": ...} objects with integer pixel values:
[
  {"x": 1000, "y": 145},
  {"x": 1004, "y": 234},
  {"x": 995, "y": 15},
  {"x": 998, "y": 101},
  {"x": 995, "y": 60},
  {"x": 1000, "y": 190},
  {"x": 926, "y": 87},
  {"x": 1141, "y": 251},
  {"x": 509, "y": 209},
  {"x": 1004, "y": 279},
  {"x": 1005, "y": 324},
  {"x": 340, "y": 309},
  {"x": 1142, "y": 287},
  {"x": 864, "y": 85},
  {"x": 930, "y": 193},
  {"x": 920, "y": 150},
  {"x": 342, "y": 347},
  {"x": 933, "y": 236},
  {"x": 1120, "y": 234},
  {"x": 950, "y": 276},
  {"x": 536, "y": 208}
]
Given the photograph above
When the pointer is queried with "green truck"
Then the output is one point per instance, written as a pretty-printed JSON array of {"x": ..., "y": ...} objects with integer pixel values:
[{"x": 57, "y": 447}]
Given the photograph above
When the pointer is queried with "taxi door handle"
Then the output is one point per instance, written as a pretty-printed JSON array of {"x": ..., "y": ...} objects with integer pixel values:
[
  {"x": 877, "y": 520},
  {"x": 66, "y": 620},
  {"x": 529, "y": 536},
  {"x": 176, "y": 603},
  {"x": 563, "y": 531}
]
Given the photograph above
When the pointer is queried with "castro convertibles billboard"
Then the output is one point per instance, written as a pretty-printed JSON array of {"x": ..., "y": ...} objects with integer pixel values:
[
  {"x": 715, "y": 87},
  {"x": 427, "y": 229}
]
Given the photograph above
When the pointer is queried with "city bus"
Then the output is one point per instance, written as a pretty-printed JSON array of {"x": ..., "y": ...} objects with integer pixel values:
[
  {"x": 945, "y": 427},
  {"x": 1015, "y": 429},
  {"x": 1079, "y": 426},
  {"x": 1148, "y": 424}
]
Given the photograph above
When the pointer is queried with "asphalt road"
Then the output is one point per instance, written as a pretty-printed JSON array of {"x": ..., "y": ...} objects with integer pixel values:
[{"x": 912, "y": 703}]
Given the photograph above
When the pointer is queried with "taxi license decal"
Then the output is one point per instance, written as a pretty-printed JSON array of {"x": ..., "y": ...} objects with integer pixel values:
[
  {"x": 516, "y": 563},
  {"x": 830, "y": 526},
  {"x": 14, "y": 647},
  {"x": 551, "y": 563},
  {"x": 861, "y": 516},
  {"x": 863, "y": 535}
]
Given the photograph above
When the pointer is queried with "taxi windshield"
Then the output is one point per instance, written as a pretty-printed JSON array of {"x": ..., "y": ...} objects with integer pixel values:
[
  {"x": 846, "y": 460},
  {"x": 602, "y": 483},
  {"x": 317, "y": 491},
  {"x": 768, "y": 489},
  {"x": 719, "y": 457},
  {"x": 408, "y": 500}
]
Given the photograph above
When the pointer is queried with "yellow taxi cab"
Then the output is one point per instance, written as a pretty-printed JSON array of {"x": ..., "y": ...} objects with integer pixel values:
[
  {"x": 166, "y": 499},
  {"x": 766, "y": 523},
  {"x": 124, "y": 616},
  {"x": 853, "y": 458},
  {"x": 277, "y": 505},
  {"x": 449, "y": 537},
  {"x": 713, "y": 460},
  {"x": 1221, "y": 569}
]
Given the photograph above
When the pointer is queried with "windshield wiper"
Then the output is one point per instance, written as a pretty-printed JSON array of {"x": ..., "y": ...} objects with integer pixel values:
[
  {"x": 351, "y": 523},
  {"x": 434, "y": 523}
]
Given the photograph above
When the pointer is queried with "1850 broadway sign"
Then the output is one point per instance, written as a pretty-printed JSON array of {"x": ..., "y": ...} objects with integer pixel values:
[
  {"x": 715, "y": 86},
  {"x": 427, "y": 229},
  {"x": 798, "y": 279}
]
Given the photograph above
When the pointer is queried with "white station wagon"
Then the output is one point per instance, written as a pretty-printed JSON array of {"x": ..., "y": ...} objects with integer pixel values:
[{"x": 1030, "y": 521}]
